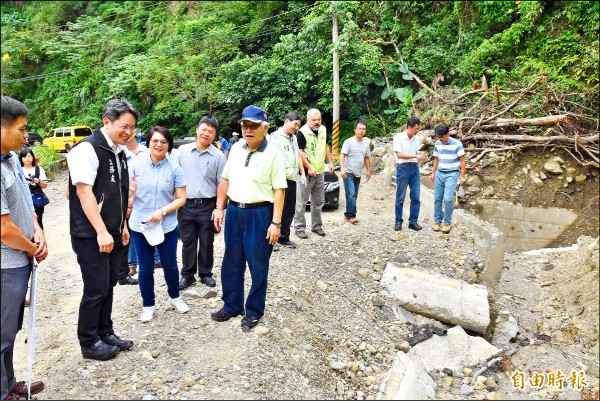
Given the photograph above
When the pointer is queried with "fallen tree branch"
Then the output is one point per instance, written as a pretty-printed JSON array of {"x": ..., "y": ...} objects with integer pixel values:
[
  {"x": 510, "y": 106},
  {"x": 537, "y": 139},
  {"x": 539, "y": 121}
]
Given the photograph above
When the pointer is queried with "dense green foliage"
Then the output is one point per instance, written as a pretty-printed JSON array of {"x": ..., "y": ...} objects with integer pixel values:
[{"x": 177, "y": 61}]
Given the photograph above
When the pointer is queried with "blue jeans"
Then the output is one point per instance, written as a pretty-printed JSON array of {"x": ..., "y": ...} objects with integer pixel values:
[
  {"x": 351, "y": 185},
  {"x": 245, "y": 241},
  {"x": 132, "y": 258},
  {"x": 14, "y": 289},
  {"x": 443, "y": 190},
  {"x": 408, "y": 175},
  {"x": 168, "y": 252}
]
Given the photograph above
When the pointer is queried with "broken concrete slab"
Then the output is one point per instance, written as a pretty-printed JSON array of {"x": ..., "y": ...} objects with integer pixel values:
[
  {"x": 506, "y": 329},
  {"x": 456, "y": 351},
  {"x": 441, "y": 298},
  {"x": 407, "y": 380}
]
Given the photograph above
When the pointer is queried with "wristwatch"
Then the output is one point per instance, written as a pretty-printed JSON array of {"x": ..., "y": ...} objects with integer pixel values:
[
  {"x": 278, "y": 225},
  {"x": 163, "y": 211}
]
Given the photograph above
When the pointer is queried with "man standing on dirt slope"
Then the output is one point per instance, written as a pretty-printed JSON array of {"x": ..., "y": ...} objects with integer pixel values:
[
  {"x": 98, "y": 195},
  {"x": 312, "y": 141},
  {"x": 22, "y": 239},
  {"x": 449, "y": 160},
  {"x": 406, "y": 146},
  {"x": 254, "y": 181},
  {"x": 355, "y": 153}
]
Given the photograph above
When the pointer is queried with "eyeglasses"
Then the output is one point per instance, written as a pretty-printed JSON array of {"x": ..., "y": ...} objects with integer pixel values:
[
  {"x": 126, "y": 128},
  {"x": 156, "y": 141},
  {"x": 250, "y": 126}
]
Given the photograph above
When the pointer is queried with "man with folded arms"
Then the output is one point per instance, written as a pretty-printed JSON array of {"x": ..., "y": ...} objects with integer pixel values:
[
  {"x": 203, "y": 166},
  {"x": 254, "y": 180},
  {"x": 22, "y": 239},
  {"x": 98, "y": 196}
]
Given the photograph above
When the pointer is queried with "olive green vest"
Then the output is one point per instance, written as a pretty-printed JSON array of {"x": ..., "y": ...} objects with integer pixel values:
[{"x": 315, "y": 147}]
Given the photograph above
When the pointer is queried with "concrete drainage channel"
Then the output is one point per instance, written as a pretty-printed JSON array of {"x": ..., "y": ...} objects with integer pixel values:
[{"x": 467, "y": 306}]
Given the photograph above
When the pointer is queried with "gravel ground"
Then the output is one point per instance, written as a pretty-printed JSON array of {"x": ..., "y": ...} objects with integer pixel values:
[{"x": 329, "y": 331}]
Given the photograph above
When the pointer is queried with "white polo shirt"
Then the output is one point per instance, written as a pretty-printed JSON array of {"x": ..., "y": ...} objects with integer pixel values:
[
  {"x": 403, "y": 144},
  {"x": 255, "y": 180}
]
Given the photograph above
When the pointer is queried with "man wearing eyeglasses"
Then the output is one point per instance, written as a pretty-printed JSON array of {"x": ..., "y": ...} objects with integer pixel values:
[
  {"x": 201, "y": 216},
  {"x": 449, "y": 167},
  {"x": 98, "y": 195},
  {"x": 254, "y": 181}
]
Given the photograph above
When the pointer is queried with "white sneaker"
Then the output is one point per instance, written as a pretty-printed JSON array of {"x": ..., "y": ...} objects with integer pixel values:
[
  {"x": 179, "y": 304},
  {"x": 147, "y": 313}
]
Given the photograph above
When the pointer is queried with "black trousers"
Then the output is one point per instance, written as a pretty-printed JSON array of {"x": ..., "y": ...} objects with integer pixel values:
[
  {"x": 124, "y": 264},
  {"x": 197, "y": 236},
  {"x": 289, "y": 208},
  {"x": 100, "y": 271}
]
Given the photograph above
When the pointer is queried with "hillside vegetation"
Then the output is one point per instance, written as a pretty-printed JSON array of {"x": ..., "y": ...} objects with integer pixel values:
[{"x": 179, "y": 60}]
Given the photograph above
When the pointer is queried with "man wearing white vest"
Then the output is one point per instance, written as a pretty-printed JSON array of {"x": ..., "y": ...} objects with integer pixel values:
[{"x": 312, "y": 141}]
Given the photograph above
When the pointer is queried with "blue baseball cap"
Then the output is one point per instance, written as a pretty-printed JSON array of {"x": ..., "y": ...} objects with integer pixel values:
[{"x": 255, "y": 114}]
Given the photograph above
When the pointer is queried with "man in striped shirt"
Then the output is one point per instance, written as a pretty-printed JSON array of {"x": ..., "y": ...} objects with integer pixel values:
[{"x": 449, "y": 166}]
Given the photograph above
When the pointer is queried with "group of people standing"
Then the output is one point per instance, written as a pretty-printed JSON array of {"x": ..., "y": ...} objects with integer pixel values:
[{"x": 121, "y": 192}]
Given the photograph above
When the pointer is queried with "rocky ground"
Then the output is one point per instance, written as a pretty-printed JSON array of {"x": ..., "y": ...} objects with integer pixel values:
[{"x": 330, "y": 330}]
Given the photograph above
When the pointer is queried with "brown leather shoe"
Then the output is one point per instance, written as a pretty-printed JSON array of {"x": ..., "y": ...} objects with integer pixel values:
[
  {"x": 14, "y": 396},
  {"x": 301, "y": 234},
  {"x": 20, "y": 388},
  {"x": 446, "y": 228},
  {"x": 437, "y": 226},
  {"x": 319, "y": 231}
]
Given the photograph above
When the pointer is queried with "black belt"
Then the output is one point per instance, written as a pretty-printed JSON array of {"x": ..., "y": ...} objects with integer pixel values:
[
  {"x": 249, "y": 205},
  {"x": 198, "y": 200}
]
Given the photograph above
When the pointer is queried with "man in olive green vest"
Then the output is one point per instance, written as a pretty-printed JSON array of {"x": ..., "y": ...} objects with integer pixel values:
[{"x": 312, "y": 141}]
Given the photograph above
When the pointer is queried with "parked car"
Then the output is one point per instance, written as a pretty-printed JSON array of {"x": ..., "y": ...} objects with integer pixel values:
[
  {"x": 33, "y": 139},
  {"x": 332, "y": 190},
  {"x": 64, "y": 138},
  {"x": 183, "y": 141}
]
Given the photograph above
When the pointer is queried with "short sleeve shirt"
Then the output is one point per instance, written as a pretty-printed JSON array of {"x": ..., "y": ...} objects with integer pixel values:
[
  {"x": 449, "y": 154},
  {"x": 156, "y": 185},
  {"x": 255, "y": 180},
  {"x": 203, "y": 169},
  {"x": 356, "y": 152},
  {"x": 403, "y": 144},
  {"x": 15, "y": 201}
]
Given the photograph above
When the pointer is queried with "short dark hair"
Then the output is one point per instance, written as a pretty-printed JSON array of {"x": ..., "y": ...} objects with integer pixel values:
[
  {"x": 441, "y": 129},
  {"x": 160, "y": 130},
  {"x": 209, "y": 120},
  {"x": 292, "y": 116},
  {"x": 25, "y": 152},
  {"x": 413, "y": 121},
  {"x": 114, "y": 108},
  {"x": 11, "y": 110},
  {"x": 363, "y": 122}
]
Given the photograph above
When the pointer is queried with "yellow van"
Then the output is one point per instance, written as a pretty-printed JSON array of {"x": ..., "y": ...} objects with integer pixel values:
[{"x": 64, "y": 138}]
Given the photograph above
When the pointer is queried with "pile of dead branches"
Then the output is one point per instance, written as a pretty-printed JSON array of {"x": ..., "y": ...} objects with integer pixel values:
[{"x": 491, "y": 119}]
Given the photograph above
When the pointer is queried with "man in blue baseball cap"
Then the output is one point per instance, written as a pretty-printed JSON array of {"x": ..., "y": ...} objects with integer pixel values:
[{"x": 254, "y": 181}]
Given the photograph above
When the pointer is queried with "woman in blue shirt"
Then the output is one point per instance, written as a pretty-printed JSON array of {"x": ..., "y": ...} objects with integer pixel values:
[{"x": 158, "y": 190}]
